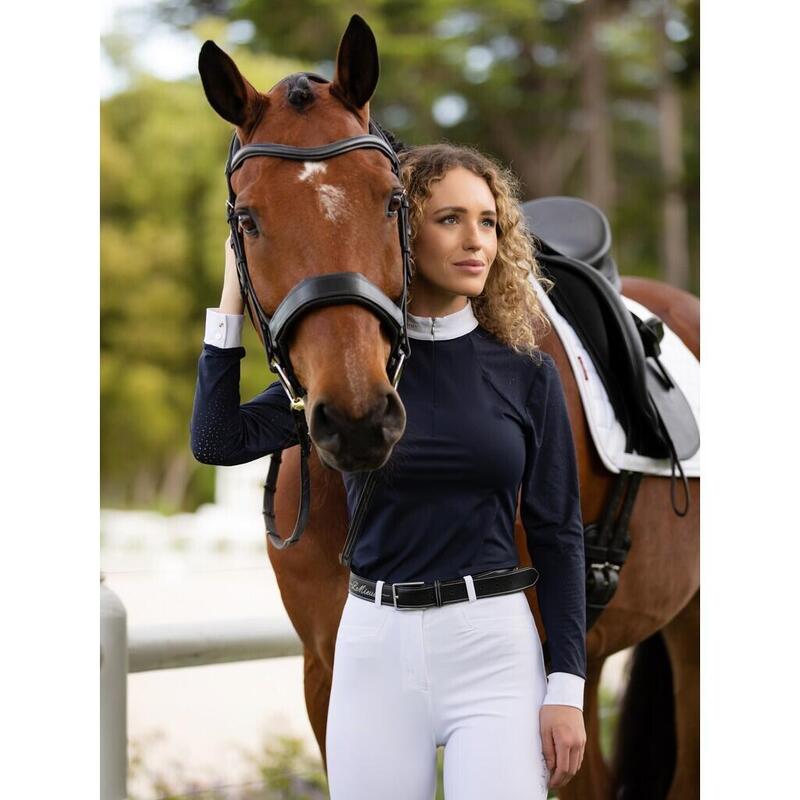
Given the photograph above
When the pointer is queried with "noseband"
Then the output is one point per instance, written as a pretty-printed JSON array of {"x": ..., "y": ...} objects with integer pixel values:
[{"x": 335, "y": 288}]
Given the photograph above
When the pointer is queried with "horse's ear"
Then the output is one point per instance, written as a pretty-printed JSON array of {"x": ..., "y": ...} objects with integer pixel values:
[
  {"x": 357, "y": 66},
  {"x": 227, "y": 90}
]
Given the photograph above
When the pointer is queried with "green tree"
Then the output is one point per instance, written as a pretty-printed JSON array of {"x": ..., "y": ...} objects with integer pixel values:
[
  {"x": 571, "y": 95},
  {"x": 162, "y": 232}
]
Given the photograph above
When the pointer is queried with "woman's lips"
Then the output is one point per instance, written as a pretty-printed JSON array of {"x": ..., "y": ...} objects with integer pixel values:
[{"x": 473, "y": 268}]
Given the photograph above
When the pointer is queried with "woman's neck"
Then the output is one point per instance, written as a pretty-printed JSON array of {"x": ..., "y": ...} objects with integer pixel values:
[{"x": 431, "y": 301}]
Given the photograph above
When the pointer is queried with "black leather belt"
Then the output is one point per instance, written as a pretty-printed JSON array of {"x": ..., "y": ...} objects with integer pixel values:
[{"x": 418, "y": 594}]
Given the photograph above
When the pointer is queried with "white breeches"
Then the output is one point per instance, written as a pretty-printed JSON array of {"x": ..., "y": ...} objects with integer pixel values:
[{"x": 469, "y": 676}]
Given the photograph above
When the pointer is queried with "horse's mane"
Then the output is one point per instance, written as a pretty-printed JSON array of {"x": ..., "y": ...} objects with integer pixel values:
[{"x": 397, "y": 145}]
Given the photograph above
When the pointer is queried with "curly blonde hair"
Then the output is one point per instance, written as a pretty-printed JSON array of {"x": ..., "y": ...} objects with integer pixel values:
[{"x": 508, "y": 306}]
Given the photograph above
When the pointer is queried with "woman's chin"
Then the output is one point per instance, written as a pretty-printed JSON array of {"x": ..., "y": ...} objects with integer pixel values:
[{"x": 471, "y": 286}]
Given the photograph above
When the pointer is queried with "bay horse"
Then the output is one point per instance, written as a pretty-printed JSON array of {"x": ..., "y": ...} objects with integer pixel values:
[{"x": 319, "y": 220}]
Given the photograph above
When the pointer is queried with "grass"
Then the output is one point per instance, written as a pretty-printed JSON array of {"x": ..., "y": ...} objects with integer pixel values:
[{"x": 283, "y": 769}]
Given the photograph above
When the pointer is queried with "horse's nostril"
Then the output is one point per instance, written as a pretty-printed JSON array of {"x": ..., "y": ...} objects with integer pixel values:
[
  {"x": 379, "y": 409},
  {"x": 326, "y": 427},
  {"x": 394, "y": 418},
  {"x": 365, "y": 438}
]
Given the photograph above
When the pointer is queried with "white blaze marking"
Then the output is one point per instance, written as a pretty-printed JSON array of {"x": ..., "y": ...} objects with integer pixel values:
[
  {"x": 311, "y": 168},
  {"x": 332, "y": 199}
]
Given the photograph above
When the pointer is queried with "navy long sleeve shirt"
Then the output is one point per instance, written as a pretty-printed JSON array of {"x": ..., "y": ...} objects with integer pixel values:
[{"x": 483, "y": 425}]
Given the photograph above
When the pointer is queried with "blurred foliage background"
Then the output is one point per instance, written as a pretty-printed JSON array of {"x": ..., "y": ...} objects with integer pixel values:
[{"x": 594, "y": 98}]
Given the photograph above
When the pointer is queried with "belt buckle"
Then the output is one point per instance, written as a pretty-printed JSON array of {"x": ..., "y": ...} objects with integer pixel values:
[{"x": 403, "y": 583}]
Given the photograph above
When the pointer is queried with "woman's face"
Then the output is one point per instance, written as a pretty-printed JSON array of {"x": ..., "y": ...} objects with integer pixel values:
[{"x": 459, "y": 224}]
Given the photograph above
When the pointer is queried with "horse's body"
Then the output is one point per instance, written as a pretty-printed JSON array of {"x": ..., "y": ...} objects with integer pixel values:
[
  {"x": 659, "y": 587},
  {"x": 332, "y": 217}
]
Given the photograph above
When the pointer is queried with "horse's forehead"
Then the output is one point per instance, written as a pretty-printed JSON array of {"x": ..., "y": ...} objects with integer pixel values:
[
  {"x": 312, "y": 169},
  {"x": 286, "y": 175},
  {"x": 321, "y": 121},
  {"x": 330, "y": 194}
]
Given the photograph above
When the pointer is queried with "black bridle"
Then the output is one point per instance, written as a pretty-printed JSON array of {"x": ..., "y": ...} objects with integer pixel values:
[{"x": 319, "y": 290}]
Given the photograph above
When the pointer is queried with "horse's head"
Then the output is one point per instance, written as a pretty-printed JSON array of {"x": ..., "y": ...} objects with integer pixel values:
[{"x": 299, "y": 219}]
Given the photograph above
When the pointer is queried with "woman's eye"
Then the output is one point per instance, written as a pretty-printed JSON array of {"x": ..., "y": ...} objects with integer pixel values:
[
  {"x": 453, "y": 216},
  {"x": 247, "y": 226}
]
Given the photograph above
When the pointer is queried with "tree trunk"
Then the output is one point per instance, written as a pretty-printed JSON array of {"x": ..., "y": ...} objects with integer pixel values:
[
  {"x": 543, "y": 158},
  {"x": 599, "y": 159},
  {"x": 175, "y": 481},
  {"x": 143, "y": 492},
  {"x": 674, "y": 232}
]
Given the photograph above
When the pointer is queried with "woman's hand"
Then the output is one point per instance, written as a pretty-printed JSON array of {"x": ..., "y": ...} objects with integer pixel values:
[
  {"x": 563, "y": 742},
  {"x": 231, "y": 301}
]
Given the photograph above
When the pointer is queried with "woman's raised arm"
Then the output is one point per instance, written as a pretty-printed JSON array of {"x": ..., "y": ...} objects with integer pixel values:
[{"x": 223, "y": 431}]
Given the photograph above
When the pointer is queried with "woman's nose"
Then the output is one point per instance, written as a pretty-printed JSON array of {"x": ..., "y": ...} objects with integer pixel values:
[{"x": 472, "y": 239}]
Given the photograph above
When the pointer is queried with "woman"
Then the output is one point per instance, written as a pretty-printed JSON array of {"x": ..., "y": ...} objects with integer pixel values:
[{"x": 485, "y": 419}]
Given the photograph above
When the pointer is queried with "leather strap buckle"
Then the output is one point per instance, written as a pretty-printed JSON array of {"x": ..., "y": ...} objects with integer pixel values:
[{"x": 403, "y": 583}]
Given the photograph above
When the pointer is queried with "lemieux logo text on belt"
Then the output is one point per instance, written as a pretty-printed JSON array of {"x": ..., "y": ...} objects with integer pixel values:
[{"x": 361, "y": 588}]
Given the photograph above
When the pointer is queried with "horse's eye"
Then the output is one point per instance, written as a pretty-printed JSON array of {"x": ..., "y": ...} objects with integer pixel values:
[
  {"x": 394, "y": 204},
  {"x": 246, "y": 225}
]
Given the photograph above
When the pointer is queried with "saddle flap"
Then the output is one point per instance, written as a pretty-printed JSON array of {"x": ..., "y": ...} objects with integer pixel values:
[{"x": 673, "y": 409}]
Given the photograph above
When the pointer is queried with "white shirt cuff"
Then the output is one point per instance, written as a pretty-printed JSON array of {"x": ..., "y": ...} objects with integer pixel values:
[
  {"x": 223, "y": 330},
  {"x": 564, "y": 688}
]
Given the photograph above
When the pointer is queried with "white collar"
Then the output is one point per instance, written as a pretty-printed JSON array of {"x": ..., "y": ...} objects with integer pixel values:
[{"x": 450, "y": 326}]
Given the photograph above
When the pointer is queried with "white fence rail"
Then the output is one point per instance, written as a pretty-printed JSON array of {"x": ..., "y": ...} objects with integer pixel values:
[{"x": 155, "y": 647}]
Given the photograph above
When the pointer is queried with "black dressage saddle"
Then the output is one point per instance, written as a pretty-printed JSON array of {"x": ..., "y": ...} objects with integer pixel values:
[
  {"x": 573, "y": 246},
  {"x": 572, "y": 239}
]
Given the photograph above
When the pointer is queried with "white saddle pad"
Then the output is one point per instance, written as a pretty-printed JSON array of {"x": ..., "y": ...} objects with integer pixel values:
[{"x": 607, "y": 432}]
